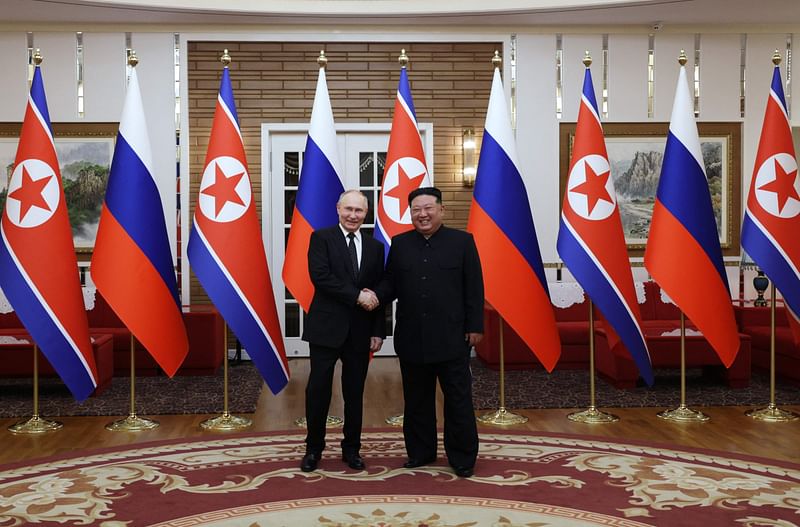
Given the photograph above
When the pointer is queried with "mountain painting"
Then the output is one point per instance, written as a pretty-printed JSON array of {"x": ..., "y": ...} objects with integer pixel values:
[{"x": 635, "y": 168}]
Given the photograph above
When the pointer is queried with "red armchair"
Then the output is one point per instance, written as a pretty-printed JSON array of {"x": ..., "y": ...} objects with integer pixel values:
[{"x": 755, "y": 322}]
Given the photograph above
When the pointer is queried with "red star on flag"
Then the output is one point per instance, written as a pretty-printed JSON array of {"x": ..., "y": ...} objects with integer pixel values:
[
  {"x": 404, "y": 185},
  {"x": 594, "y": 187},
  {"x": 782, "y": 185},
  {"x": 29, "y": 194},
  {"x": 223, "y": 189}
]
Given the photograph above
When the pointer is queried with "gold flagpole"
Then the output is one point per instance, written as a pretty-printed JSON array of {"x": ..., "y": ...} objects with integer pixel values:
[
  {"x": 771, "y": 413},
  {"x": 226, "y": 421},
  {"x": 35, "y": 425},
  {"x": 501, "y": 416},
  {"x": 592, "y": 415},
  {"x": 682, "y": 413},
  {"x": 132, "y": 423}
]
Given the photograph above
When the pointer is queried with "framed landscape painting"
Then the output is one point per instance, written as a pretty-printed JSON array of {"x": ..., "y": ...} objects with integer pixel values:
[
  {"x": 635, "y": 153},
  {"x": 84, "y": 155}
]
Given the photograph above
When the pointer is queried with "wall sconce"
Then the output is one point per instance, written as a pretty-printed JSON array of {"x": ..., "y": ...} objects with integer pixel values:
[{"x": 469, "y": 165}]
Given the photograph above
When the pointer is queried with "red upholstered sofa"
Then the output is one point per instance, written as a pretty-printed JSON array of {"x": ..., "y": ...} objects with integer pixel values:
[
  {"x": 658, "y": 317},
  {"x": 16, "y": 355},
  {"x": 204, "y": 326},
  {"x": 755, "y": 322}
]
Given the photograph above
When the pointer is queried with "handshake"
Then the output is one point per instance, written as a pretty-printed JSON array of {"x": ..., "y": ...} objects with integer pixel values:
[{"x": 367, "y": 299}]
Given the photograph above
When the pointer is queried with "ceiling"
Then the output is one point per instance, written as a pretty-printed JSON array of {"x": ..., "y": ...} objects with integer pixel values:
[{"x": 647, "y": 14}]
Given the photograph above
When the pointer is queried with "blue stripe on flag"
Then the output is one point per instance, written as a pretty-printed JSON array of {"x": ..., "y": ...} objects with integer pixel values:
[
  {"x": 39, "y": 98},
  {"x": 588, "y": 90},
  {"x": 236, "y": 314},
  {"x": 501, "y": 193},
  {"x": 404, "y": 90},
  {"x": 133, "y": 199},
  {"x": 44, "y": 331},
  {"x": 777, "y": 86},
  {"x": 226, "y": 94},
  {"x": 772, "y": 262},
  {"x": 597, "y": 285},
  {"x": 319, "y": 188},
  {"x": 688, "y": 199}
]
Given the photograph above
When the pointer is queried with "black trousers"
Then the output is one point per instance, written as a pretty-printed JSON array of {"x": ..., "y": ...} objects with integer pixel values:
[
  {"x": 355, "y": 363},
  {"x": 419, "y": 417}
]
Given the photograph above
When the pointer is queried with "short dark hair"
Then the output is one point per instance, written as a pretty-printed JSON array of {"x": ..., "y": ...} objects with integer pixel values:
[{"x": 425, "y": 191}]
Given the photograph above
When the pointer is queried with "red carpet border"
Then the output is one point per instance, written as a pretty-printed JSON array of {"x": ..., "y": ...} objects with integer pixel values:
[{"x": 520, "y": 480}]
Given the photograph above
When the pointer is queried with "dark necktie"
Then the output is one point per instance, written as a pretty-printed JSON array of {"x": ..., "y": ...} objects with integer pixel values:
[{"x": 351, "y": 247}]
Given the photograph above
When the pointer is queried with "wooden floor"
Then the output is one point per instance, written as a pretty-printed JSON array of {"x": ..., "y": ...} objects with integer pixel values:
[{"x": 728, "y": 430}]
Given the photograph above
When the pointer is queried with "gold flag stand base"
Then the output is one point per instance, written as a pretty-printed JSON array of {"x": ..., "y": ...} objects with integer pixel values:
[
  {"x": 592, "y": 416},
  {"x": 332, "y": 421},
  {"x": 502, "y": 417},
  {"x": 35, "y": 425},
  {"x": 683, "y": 414},
  {"x": 226, "y": 421},
  {"x": 132, "y": 423},
  {"x": 394, "y": 420},
  {"x": 772, "y": 414}
]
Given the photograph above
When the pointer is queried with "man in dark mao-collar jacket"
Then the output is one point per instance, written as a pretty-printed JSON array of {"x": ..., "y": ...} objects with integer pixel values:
[
  {"x": 435, "y": 274},
  {"x": 342, "y": 324}
]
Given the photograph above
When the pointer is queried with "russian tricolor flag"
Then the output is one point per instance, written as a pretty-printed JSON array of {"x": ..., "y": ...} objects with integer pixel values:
[
  {"x": 500, "y": 219},
  {"x": 405, "y": 169},
  {"x": 683, "y": 253},
  {"x": 132, "y": 264},
  {"x": 225, "y": 247},
  {"x": 318, "y": 191},
  {"x": 590, "y": 237},
  {"x": 772, "y": 217},
  {"x": 38, "y": 267}
]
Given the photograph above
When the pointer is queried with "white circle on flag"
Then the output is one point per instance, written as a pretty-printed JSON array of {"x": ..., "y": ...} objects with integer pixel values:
[
  {"x": 579, "y": 200},
  {"x": 42, "y": 194},
  {"x": 769, "y": 199},
  {"x": 222, "y": 198},
  {"x": 412, "y": 167}
]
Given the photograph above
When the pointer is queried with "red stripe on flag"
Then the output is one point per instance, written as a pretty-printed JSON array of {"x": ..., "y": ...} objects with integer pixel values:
[
  {"x": 514, "y": 290},
  {"x": 118, "y": 255},
  {"x": 682, "y": 269},
  {"x": 295, "y": 266}
]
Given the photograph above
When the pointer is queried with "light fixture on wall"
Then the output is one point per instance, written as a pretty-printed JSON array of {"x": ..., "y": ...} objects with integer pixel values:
[{"x": 469, "y": 165}]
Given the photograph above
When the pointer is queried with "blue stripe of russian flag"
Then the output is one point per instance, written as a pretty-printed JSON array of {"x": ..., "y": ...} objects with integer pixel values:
[
  {"x": 236, "y": 311},
  {"x": 509, "y": 209},
  {"x": 131, "y": 194},
  {"x": 319, "y": 187}
]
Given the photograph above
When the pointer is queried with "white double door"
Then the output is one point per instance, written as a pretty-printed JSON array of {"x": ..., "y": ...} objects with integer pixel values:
[{"x": 362, "y": 150}]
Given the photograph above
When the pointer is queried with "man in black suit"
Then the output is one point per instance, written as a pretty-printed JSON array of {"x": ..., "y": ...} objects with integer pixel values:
[
  {"x": 341, "y": 325},
  {"x": 435, "y": 274}
]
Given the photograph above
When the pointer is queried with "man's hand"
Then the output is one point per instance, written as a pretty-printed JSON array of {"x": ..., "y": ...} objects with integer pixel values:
[
  {"x": 367, "y": 299},
  {"x": 473, "y": 338},
  {"x": 375, "y": 344}
]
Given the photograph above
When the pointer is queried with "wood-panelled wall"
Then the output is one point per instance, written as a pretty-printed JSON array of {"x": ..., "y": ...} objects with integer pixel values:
[{"x": 275, "y": 82}]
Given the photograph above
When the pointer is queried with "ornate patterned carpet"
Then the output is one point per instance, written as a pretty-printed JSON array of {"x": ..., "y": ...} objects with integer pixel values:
[{"x": 520, "y": 480}]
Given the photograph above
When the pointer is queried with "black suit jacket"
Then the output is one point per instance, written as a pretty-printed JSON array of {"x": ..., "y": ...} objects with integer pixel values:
[
  {"x": 439, "y": 289},
  {"x": 333, "y": 312}
]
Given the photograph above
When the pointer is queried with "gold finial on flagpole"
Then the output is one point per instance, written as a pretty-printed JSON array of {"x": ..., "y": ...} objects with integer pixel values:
[
  {"x": 682, "y": 59},
  {"x": 497, "y": 60},
  {"x": 133, "y": 60},
  {"x": 776, "y": 57},
  {"x": 587, "y": 59},
  {"x": 403, "y": 58},
  {"x": 37, "y": 56},
  {"x": 225, "y": 59},
  {"x": 322, "y": 60}
]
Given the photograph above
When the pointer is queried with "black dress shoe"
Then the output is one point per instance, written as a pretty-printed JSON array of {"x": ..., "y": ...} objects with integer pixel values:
[
  {"x": 463, "y": 472},
  {"x": 414, "y": 462},
  {"x": 309, "y": 462},
  {"x": 354, "y": 461}
]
